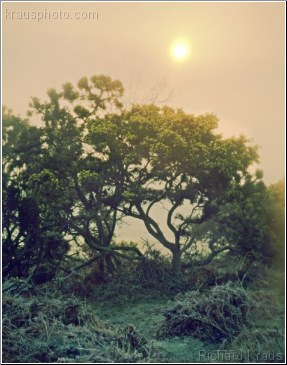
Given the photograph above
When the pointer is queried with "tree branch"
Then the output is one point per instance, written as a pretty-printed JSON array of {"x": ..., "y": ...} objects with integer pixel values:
[
  {"x": 169, "y": 221},
  {"x": 207, "y": 260},
  {"x": 153, "y": 228}
]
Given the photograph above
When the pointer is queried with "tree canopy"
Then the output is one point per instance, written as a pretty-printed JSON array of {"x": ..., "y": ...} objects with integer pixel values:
[
  {"x": 69, "y": 182},
  {"x": 166, "y": 156}
]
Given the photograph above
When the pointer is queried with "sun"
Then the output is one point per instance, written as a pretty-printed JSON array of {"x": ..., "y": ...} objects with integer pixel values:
[{"x": 180, "y": 50}]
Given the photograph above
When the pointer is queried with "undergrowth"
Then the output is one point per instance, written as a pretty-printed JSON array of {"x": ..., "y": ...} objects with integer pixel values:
[
  {"x": 246, "y": 322},
  {"x": 143, "y": 314},
  {"x": 212, "y": 315},
  {"x": 56, "y": 328}
]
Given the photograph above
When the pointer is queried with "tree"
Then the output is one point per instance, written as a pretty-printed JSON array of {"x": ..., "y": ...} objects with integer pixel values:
[
  {"x": 82, "y": 175},
  {"x": 161, "y": 155},
  {"x": 32, "y": 236},
  {"x": 253, "y": 219},
  {"x": 92, "y": 162},
  {"x": 242, "y": 220}
]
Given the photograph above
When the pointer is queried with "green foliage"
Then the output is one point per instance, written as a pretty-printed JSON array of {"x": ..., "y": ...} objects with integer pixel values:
[
  {"x": 91, "y": 163},
  {"x": 161, "y": 155},
  {"x": 73, "y": 171},
  {"x": 32, "y": 227},
  {"x": 253, "y": 218},
  {"x": 102, "y": 90}
]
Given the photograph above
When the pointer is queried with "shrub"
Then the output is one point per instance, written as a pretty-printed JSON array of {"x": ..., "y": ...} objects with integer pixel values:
[
  {"x": 217, "y": 314},
  {"x": 150, "y": 276}
]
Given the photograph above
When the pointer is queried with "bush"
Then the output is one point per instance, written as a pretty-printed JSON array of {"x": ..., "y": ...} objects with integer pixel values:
[
  {"x": 212, "y": 315},
  {"x": 230, "y": 268},
  {"x": 150, "y": 276},
  {"x": 54, "y": 328},
  {"x": 154, "y": 273}
]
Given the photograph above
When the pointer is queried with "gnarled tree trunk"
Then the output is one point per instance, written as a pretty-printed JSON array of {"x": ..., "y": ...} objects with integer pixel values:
[{"x": 176, "y": 261}]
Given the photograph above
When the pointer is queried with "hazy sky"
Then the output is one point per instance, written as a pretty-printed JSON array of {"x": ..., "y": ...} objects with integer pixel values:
[{"x": 236, "y": 67}]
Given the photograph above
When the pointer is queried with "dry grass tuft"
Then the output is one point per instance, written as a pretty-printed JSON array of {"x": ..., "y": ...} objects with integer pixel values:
[
  {"x": 247, "y": 322},
  {"x": 55, "y": 328},
  {"x": 217, "y": 314}
]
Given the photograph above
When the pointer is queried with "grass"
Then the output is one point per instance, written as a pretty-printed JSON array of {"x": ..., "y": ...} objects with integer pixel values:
[
  {"x": 264, "y": 337},
  {"x": 147, "y": 316},
  {"x": 49, "y": 326}
]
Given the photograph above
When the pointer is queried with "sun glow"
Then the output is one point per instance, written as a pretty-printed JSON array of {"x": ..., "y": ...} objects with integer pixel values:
[{"x": 180, "y": 50}]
